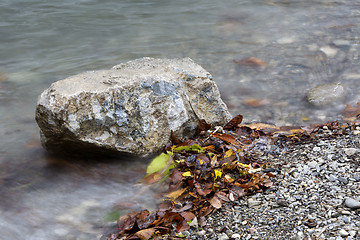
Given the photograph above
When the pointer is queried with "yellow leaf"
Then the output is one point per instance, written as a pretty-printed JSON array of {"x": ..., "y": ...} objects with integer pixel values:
[
  {"x": 217, "y": 173},
  {"x": 187, "y": 174},
  {"x": 228, "y": 153}
]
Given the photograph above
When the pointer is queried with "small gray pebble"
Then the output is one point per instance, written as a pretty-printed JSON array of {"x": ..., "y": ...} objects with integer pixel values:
[
  {"x": 350, "y": 151},
  {"x": 343, "y": 233},
  {"x": 223, "y": 236},
  {"x": 343, "y": 180},
  {"x": 332, "y": 178},
  {"x": 352, "y": 203}
]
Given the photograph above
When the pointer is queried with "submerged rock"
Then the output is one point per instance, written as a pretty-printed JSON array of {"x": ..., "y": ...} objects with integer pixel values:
[
  {"x": 129, "y": 109},
  {"x": 325, "y": 94}
]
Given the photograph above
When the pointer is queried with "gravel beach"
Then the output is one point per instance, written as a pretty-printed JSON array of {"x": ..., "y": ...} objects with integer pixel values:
[{"x": 316, "y": 195}]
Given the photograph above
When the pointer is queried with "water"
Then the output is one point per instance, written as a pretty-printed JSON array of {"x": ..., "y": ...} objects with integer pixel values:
[{"x": 44, "y": 197}]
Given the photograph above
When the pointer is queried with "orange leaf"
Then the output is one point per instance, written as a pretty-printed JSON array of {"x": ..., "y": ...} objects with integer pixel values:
[
  {"x": 255, "y": 102},
  {"x": 251, "y": 62},
  {"x": 260, "y": 126},
  {"x": 225, "y": 137}
]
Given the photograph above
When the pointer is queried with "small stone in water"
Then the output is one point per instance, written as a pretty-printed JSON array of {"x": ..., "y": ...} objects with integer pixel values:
[
  {"x": 325, "y": 94},
  {"x": 329, "y": 51},
  {"x": 352, "y": 203}
]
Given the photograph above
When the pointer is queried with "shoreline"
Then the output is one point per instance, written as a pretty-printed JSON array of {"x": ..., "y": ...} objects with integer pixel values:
[
  {"x": 307, "y": 200},
  {"x": 312, "y": 179}
]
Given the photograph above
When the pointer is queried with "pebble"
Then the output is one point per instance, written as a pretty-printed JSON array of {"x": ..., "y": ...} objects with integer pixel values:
[
  {"x": 343, "y": 233},
  {"x": 299, "y": 236},
  {"x": 318, "y": 197},
  {"x": 253, "y": 203},
  {"x": 350, "y": 151},
  {"x": 223, "y": 236},
  {"x": 352, "y": 203},
  {"x": 235, "y": 236}
]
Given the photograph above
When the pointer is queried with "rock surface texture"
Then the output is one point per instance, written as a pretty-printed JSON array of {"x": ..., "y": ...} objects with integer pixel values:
[{"x": 129, "y": 109}]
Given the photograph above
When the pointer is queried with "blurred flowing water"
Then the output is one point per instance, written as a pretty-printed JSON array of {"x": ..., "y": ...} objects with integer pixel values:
[{"x": 300, "y": 44}]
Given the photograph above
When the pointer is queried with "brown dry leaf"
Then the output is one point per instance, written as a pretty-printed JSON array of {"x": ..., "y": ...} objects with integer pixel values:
[
  {"x": 175, "y": 194},
  {"x": 259, "y": 126},
  {"x": 202, "y": 191},
  {"x": 152, "y": 178},
  {"x": 351, "y": 111},
  {"x": 175, "y": 140},
  {"x": 182, "y": 226},
  {"x": 127, "y": 222},
  {"x": 225, "y": 137},
  {"x": 188, "y": 216},
  {"x": 233, "y": 122},
  {"x": 251, "y": 62},
  {"x": 203, "y": 125},
  {"x": 215, "y": 202},
  {"x": 255, "y": 102},
  {"x": 145, "y": 234}
]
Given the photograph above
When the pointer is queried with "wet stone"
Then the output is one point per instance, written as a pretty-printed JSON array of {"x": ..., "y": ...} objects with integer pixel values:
[{"x": 325, "y": 94}]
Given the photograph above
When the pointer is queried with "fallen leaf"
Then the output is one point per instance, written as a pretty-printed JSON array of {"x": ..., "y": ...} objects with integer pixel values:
[
  {"x": 259, "y": 126},
  {"x": 175, "y": 140},
  {"x": 251, "y": 62},
  {"x": 182, "y": 226},
  {"x": 158, "y": 163},
  {"x": 203, "y": 125},
  {"x": 233, "y": 122},
  {"x": 187, "y": 174},
  {"x": 152, "y": 178},
  {"x": 145, "y": 234},
  {"x": 217, "y": 173},
  {"x": 215, "y": 202},
  {"x": 351, "y": 111},
  {"x": 225, "y": 137},
  {"x": 188, "y": 216},
  {"x": 255, "y": 102},
  {"x": 175, "y": 194}
]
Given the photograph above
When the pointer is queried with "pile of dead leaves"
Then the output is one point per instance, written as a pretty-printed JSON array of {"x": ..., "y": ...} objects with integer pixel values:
[{"x": 206, "y": 172}]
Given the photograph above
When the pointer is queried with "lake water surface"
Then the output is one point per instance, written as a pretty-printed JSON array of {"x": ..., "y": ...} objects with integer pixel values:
[{"x": 297, "y": 46}]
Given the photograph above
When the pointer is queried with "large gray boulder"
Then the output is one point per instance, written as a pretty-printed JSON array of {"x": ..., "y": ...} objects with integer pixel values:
[{"x": 129, "y": 109}]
